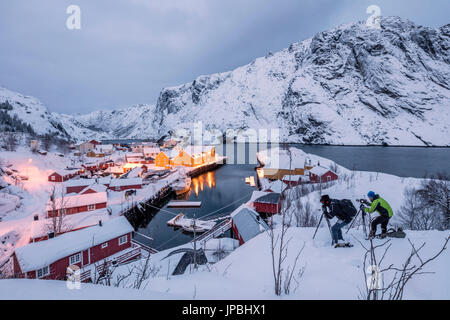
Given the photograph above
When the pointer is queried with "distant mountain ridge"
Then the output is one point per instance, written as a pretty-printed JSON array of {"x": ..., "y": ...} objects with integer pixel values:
[{"x": 348, "y": 85}]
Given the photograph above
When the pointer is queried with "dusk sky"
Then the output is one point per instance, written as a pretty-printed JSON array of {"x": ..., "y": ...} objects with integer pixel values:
[{"x": 126, "y": 51}]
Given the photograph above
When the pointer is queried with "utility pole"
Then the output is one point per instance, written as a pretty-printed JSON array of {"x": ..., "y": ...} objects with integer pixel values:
[{"x": 195, "y": 247}]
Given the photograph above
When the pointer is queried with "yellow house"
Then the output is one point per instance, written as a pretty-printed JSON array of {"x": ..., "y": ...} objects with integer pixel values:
[
  {"x": 194, "y": 156},
  {"x": 162, "y": 160}
]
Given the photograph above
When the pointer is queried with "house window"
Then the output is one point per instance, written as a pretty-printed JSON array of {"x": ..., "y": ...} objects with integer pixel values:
[
  {"x": 123, "y": 240},
  {"x": 75, "y": 258},
  {"x": 117, "y": 188},
  {"x": 62, "y": 211},
  {"x": 91, "y": 207},
  {"x": 43, "y": 272},
  {"x": 105, "y": 245},
  {"x": 328, "y": 178},
  {"x": 52, "y": 178}
]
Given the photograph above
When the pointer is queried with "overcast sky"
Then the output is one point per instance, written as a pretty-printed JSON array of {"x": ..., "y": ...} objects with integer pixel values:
[{"x": 128, "y": 50}]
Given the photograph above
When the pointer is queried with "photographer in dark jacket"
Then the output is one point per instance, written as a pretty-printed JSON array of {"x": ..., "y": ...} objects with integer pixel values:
[{"x": 331, "y": 209}]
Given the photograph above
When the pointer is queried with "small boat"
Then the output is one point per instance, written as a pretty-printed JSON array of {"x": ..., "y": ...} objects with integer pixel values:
[
  {"x": 182, "y": 186},
  {"x": 187, "y": 224}
]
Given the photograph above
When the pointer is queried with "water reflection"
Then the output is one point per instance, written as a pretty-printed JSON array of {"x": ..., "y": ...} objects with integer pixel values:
[{"x": 201, "y": 182}]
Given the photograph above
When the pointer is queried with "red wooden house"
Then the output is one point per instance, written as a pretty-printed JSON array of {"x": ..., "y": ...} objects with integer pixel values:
[
  {"x": 269, "y": 203},
  {"x": 87, "y": 249},
  {"x": 293, "y": 180},
  {"x": 76, "y": 203},
  {"x": 62, "y": 175},
  {"x": 125, "y": 184},
  {"x": 76, "y": 185},
  {"x": 91, "y": 166},
  {"x": 106, "y": 164},
  {"x": 246, "y": 224},
  {"x": 320, "y": 174}
]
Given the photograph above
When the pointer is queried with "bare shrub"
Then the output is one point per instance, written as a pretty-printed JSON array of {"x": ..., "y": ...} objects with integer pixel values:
[
  {"x": 415, "y": 215},
  {"x": 10, "y": 141},
  {"x": 428, "y": 206},
  {"x": 389, "y": 283}
]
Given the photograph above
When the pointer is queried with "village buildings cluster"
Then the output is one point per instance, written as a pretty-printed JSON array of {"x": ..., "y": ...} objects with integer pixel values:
[{"x": 93, "y": 237}]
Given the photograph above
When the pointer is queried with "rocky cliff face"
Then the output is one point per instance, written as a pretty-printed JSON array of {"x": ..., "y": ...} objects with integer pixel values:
[{"x": 349, "y": 85}]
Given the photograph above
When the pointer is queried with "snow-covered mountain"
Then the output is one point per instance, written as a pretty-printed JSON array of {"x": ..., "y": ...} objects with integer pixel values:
[
  {"x": 349, "y": 85},
  {"x": 126, "y": 123},
  {"x": 31, "y": 111},
  {"x": 131, "y": 122}
]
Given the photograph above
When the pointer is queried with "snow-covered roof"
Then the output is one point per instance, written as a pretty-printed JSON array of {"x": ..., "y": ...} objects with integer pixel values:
[
  {"x": 270, "y": 197},
  {"x": 41, "y": 227},
  {"x": 134, "y": 155},
  {"x": 65, "y": 172},
  {"x": 37, "y": 255},
  {"x": 319, "y": 170},
  {"x": 125, "y": 182},
  {"x": 77, "y": 200},
  {"x": 95, "y": 187},
  {"x": 256, "y": 194},
  {"x": 278, "y": 158},
  {"x": 132, "y": 165},
  {"x": 114, "y": 169},
  {"x": 278, "y": 186},
  {"x": 104, "y": 147},
  {"x": 296, "y": 177},
  {"x": 78, "y": 182},
  {"x": 248, "y": 222},
  {"x": 196, "y": 151},
  {"x": 104, "y": 180}
]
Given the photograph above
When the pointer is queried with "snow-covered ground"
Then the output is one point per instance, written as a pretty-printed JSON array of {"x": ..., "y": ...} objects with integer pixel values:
[
  {"x": 245, "y": 272},
  {"x": 13, "y": 289}
]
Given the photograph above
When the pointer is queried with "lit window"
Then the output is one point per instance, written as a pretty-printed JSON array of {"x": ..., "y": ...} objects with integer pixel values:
[
  {"x": 52, "y": 178},
  {"x": 43, "y": 272},
  {"x": 75, "y": 258},
  {"x": 122, "y": 240},
  {"x": 104, "y": 245}
]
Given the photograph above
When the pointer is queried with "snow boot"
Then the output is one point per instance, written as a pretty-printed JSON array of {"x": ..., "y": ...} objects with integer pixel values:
[{"x": 342, "y": 244}]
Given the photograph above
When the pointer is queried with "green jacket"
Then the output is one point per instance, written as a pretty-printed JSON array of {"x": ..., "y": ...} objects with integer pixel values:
[{"x": 380, "y": 205}]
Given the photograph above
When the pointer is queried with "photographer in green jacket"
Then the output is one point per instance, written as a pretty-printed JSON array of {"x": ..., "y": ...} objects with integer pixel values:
[{"x": 383, "y": 208}]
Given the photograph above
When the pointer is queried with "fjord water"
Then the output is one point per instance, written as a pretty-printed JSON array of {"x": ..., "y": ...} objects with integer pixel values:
[{"x": 224, "y": 189}]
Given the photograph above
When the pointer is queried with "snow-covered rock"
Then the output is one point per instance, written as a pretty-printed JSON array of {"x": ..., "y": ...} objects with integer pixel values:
[
  {"x": 31, "y": 111},
  {"x": 127, "y": 123},
  {"x": 349, "y": 85}
]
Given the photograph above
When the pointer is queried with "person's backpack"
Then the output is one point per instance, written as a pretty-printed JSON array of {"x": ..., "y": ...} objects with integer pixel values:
[{"x": 348, "y": 208}]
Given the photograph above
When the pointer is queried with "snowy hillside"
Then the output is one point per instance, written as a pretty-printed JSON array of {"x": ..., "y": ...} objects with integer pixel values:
[
  {"x": 348, "y": 85},
  {"x": 132, "y": 123},
  {"x": 31, "y": 111}
]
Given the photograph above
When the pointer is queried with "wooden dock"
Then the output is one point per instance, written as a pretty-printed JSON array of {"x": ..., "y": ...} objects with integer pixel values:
[{"x": 184, "y": 204}]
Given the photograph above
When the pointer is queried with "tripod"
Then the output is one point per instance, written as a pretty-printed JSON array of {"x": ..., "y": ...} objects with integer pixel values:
[
  {"x": 320, "y": 221},
  {"x": 363, "y": 216}
]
